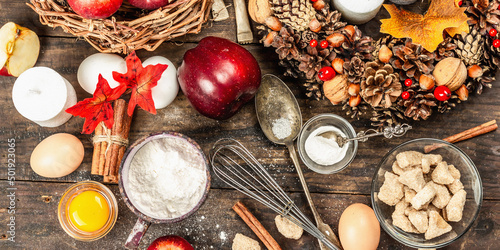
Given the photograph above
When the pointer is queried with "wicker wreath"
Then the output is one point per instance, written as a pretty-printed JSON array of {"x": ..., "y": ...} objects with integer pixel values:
[{"x": 129, "y": 28}]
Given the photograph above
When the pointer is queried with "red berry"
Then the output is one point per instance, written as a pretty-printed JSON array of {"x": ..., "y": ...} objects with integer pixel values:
[
  {"x": 496, "y": 43},
  {"x": 405, "y": 95},
  {"x": 313, "y": 43},
  {"x": 314, "y": 1},
  {"x": 442, "y": 93},
  {"x": 493, "y": 32},
  {"x": 408, "y": 82},
  {"x": 324, "y": 44},
  {"x": 460, "y": 3},
  {"x": 326, "y": 73}
]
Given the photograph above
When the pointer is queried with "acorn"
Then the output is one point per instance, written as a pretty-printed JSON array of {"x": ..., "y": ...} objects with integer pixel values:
[
  {"x": 350, "y": 30},
  {"x": 354, "y": 101},
  {"x": 462, "y": 93},
  {"x": 315, "y": 25},
  {"x": 474, "y": 71},
  {"x": 336, "y": 89},
  {"x": 273, "y": 23},
  {"x": 338, "y": 65},
  {"x": 335, "y": 40},
  {"x": 270, "y": 38},
  {"x": 384, "y": 54},
  {"x": 319, "y": 5},
  {"x": 426, "y": 82},
  {"x": 353, "y": 89}
]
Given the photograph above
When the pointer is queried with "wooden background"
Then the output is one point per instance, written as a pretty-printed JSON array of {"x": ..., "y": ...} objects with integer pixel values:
[{"x": 215, "y": 224}]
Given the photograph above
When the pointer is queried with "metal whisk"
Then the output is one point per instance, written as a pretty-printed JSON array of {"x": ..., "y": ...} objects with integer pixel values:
[{"x": 238, "y": 168}]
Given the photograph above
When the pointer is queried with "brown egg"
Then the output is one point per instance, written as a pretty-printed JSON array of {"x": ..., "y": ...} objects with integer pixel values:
[
  {"x": 57, "y": 155},
  {"x": 359, "y": 228}
]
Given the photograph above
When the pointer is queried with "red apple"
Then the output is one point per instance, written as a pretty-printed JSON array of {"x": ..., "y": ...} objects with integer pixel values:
[
  {"x": 218, "y": 77},
  {"x": 170, "y": 242},
  {"x": 148, "y": 4},
  {"x": 19, "y": 48},
  {"x": 95, "y": 9}
]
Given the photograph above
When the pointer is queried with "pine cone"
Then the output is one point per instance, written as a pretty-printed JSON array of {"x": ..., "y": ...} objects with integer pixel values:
[
  {"x": 297, "y": 14},
  {"x": 412, "y": 59},
  {"x": 286, "y": 44},
  {"x": 445, "y": 49},
  {"x": 419, "y": 105},
  {"x": 314, "y": 90},
  {"x": 477, "y": 84},
  {"x": 355, "y": 69},
  {"x": 330, "y": 21},
  {"x": 381, "y": 86},
  {"x": 382, "y": 117},
  {"x": 388, "y": 41},
  {"x": 470, "y": 47},
  {"x": 449, "y": 104},
  {"x": 484, "y": 14},
  {"x": 491, "y": 54},
  {"x": 355, "y": 112}
]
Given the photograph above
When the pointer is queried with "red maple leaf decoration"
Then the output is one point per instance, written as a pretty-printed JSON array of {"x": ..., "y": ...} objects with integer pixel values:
[
  {"x": 98, "y": 108},
  {"x": 140, "y": 80}
]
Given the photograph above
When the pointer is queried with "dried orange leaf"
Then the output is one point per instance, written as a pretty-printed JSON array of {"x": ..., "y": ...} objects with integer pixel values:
[{"x": 427, "y": 29}]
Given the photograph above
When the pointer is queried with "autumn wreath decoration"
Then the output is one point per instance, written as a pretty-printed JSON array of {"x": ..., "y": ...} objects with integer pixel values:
[
  {"x": 108, "y": 114},
  {"x": 425, "y": 63}
]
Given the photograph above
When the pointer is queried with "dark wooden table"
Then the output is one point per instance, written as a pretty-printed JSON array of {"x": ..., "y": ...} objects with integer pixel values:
[{"x": 215, "y": 224}]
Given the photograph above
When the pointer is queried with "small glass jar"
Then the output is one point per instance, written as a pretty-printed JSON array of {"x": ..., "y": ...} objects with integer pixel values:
[
  {"x": 327, "y": 120},
  {"x": 67, "y": 198}
]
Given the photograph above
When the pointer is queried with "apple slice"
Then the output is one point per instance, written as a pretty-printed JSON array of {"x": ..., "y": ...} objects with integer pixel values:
[
  {"x": 170, "y": 242},
  {"x": 19, "y": 49}
]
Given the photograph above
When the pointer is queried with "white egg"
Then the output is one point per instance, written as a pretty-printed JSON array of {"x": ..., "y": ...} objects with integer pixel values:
[
  {"x": 100, "y": 63},
  {"x": 166, "y": 90}
]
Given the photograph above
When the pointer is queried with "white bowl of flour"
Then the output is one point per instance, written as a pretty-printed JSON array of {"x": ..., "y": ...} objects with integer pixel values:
[{"x": 163, "y": 178}]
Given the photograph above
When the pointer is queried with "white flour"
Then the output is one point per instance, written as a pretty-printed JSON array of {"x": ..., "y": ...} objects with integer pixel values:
[
  {"x": 324, "y": 151},
  {"x": 166, "y": 178}
]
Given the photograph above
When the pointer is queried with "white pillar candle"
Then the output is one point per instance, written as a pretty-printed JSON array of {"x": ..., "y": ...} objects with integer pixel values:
[
  {"x": 100, "y": 63},
  {"x": 358, "y": 11},
  {"x": 41, "y": 95},
  {"x": 166, "y": 90}
]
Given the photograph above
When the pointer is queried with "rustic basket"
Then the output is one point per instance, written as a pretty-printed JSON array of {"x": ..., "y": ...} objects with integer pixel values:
[{"x": 129, "y": 28}]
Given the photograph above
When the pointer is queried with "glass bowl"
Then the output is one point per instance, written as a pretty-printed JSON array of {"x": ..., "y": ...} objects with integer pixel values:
[
  {"x": 327, "y": 120},
  {"x": 70, "y": 194},
  {"x": 469, "y": 177}
]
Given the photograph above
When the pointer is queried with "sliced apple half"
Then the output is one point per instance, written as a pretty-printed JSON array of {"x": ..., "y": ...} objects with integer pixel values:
[{"x": 19, "y": 49}]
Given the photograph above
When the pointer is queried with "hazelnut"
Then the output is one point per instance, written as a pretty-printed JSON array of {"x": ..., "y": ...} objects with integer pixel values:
[
  {"x": 319, "y": 5},
  {"x": 354, "y": 101},
  {"x": 336, "y": 89},
  {"x": 315, "y": 25},
  {"x": 335, "y": 40},
  {"x": 474, "y": 71},
  {"x": 270, "y": 38},
  {"x": 384, "y": 54},
  {"x": 462, "y": 92},
  {"x": 273, "y": 23},
  {"x": 353, "y": 89},
  {"x": 426, "y": 82},
  {"x": 350, "y": 30},
  {"x": 450, "y": 72},
  {"x": 338, "y": 65}
]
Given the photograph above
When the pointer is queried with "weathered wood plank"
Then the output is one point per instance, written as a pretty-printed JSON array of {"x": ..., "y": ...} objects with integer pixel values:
[{"x": 212, "y": 227}]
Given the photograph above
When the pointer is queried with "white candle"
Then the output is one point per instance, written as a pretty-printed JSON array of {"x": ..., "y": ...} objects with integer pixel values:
[
  {"x": 166, "y": 90},
  {"x": 358, "y": 11},
  {"x": 41, "y": 95},
  {"x": 100, "y": 63}
]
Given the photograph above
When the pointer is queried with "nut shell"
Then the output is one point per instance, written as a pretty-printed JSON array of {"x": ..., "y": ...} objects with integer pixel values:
[
  {"x": 384, "y": 54},
  {"x": 450, "y": 72},
  {"x": 338, "y": 65},
  {"x": 426, "y": 82},
  {"x": 335, "y": 40},
  {"x": 336, "y": 89},
  {"x": 259, "y": 10}
]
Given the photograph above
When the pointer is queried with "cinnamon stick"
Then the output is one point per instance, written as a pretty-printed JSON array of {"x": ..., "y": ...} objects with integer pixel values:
[
  {"x": 102, "y": 151},
  {"x": 120, "y": 109},
  {"x": 97, "y": 151},
  {"x": 256, "y": 227},
  {"x": 467, "y": 134}
]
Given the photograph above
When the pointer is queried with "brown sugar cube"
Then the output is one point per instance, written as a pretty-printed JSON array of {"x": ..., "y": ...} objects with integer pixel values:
[
  {"x": 287, "y": 228},
  {"x": 456, "y": 205},
  {"x": 401, "y": 221},
  {"x": 392, "y": 190},
  {"x": 409, "y": 159},
  {"x": 442, "y": 196},
  {"x": 409, "y": 194},
  {"x": 441, "y": 174},
  {"x": 437, "y": 226},
  {"x": 409, "y": 210},
  {"x": 428, "y": 160},
  {"x": 401, "y": 207},
  {"x": 419, "y": 220},
  {"x": 432, "y": 208},
  {"x": 242, "y": 242},
  {"x": 424, "y": 196},
  {"x": 396, "y": 169},
  {"x": 414, "y": 179},
  {"x": 455, "y": 186},
  {"x": 454, "y": 171}
]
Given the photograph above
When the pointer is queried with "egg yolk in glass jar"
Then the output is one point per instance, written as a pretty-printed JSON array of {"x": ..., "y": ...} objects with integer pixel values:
[{"x": 89, "y": 211}]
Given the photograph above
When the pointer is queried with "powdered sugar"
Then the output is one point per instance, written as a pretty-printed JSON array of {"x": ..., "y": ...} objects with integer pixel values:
[
  {"x": 282, "y": 128},
  {"x": 324, "y": 151},
  {"x": 166, "y": 178}
]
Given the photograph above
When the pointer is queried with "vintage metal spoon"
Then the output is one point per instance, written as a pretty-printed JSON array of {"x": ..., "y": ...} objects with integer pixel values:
[
  {"x": 388, "y": 132},
  {"x": 275, "y": 102}
]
